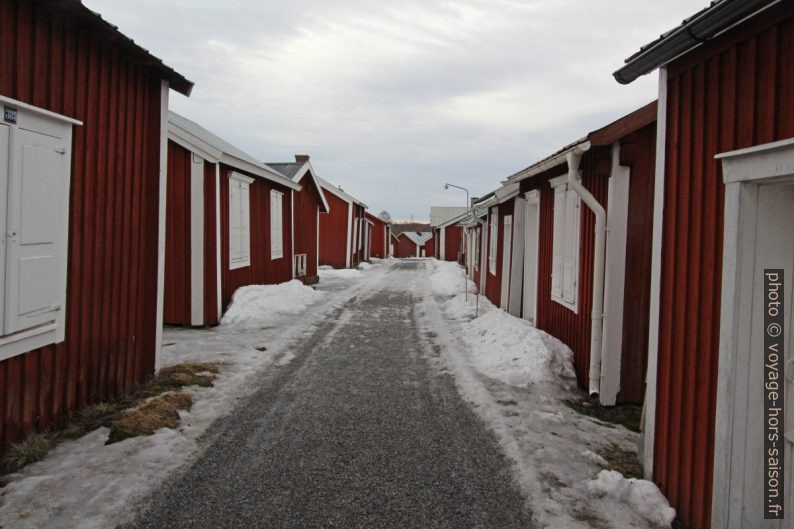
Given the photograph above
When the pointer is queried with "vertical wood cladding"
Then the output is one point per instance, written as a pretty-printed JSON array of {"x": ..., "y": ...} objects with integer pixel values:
[
  {"x": 177, "y": 299},
  {"x": 405, "y": 247},
  {"x": 307, "y": 202},
  {"x": 731, "y": 93},
  {"x": 210, "y": 244},
  {"x": 54, "y": 64},
  {"x": 430, "y": 247},
  {"x": 263, "y": 270},
  {"x": 453, "y": 242},
  {"x": 378, "y": 243},
  {"x": 333, "y": 232},
  {"x": 493, "y": 287}
]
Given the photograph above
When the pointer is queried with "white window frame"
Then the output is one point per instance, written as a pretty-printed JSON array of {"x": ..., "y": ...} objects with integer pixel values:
[
  {"x": 239, "y": 216},
  {"x": 276, "y": 225},
  {"x": 493, "y": 239},
  {"x": 565, "y": 244},
  {"x": 35, "y": 128}
]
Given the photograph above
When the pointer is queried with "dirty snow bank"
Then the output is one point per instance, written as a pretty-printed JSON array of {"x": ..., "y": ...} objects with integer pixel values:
[
  {"x": 341, "y": 273},
  {"x": 254, "y": 305},
  {"x": 448, "y": 278},
  {"x": 516, "y": 378},
  {"x": 363, "y": 265},
  {"x": 637, "y": 495}
]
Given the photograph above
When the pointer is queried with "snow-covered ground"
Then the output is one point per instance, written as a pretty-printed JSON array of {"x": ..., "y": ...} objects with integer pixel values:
[
  {"x": 516, "y": 377},
  {"x": 85, "y": 484}
]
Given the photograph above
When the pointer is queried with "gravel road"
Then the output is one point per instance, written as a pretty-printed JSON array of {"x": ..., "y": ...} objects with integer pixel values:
[{"x": 358, "y": 431}]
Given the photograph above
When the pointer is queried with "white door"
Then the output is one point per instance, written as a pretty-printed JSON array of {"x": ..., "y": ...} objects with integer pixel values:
[
  {"x": 507, "y": 250},
  {"x": 517, "y": 256},
  {"x": 531, "y": 238}
]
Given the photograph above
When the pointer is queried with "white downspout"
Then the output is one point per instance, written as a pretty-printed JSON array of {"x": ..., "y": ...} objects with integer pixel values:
[{"x": 597, "y": 316}]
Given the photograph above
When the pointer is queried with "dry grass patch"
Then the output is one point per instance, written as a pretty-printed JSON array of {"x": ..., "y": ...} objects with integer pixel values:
[
  {"x": 156, "y": 402},
  {"x": 624, "y": 461},
  {"x": 625, "y": 414},
  {"x": 159, "y": 412}
]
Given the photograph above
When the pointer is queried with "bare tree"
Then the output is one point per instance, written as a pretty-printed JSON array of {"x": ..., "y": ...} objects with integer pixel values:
[{"x": 384, "y": 216}]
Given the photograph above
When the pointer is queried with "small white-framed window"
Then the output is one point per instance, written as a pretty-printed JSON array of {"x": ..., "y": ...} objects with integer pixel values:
[
  {"x": 35, "y": 177},
  {"x": 300, "y": 265},
  {"x": 239, "y": 221},
  {"x": 276, "y": 225},
  {"x": 565, "y": 254},
  {"x": 493, "y": 237}
]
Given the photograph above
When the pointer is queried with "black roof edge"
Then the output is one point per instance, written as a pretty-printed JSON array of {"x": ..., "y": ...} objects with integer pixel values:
[{"x": 693, "y": 31}]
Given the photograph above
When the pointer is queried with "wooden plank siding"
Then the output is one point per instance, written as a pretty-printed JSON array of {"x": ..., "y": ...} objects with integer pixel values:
[
  {"x": 307, "y": 209},
  {"x": 177, "y": 296},
  {"x": 731, "y": 93},
  {"x": 263, "y": 270},
  {"x": 405, "y": 247},
  {"x": 453, "y": 242},
  {"x": 493, "y": 282},
  {"x": 430, "y": 247},
  {"x": 333, "y": 232},
  {"x": 210, "y": 244},
  {"x": 50, "y": 62},
  {"x": 378, "y": 240}
]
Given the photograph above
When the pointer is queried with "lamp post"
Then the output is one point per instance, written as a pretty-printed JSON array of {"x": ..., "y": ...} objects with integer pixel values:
[{"x": 468, "y": 209}]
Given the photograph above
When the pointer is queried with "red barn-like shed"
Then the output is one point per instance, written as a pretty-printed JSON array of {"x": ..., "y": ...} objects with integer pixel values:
[
  {"x": 341, "y": 240},
  {"x": 308, "y": 204},
  {"x": 229, "y": 224},
  {"x": 449, "y": 237},
  {"x": 412, "y": 244},
  {"x": 380, "y": 233},
  {"x": 723, "y": 213},
  {"x": 85, "y": 110}
]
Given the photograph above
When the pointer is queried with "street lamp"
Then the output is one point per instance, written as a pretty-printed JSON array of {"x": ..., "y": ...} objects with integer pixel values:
[{"x": 468, "y": 211}]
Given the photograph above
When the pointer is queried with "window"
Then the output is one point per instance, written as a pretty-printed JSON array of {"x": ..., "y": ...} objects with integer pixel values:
[
  {"x": 565, "y": 262},
  {"x": 276, "y": 225},
  {"x": 493, "y": 234},
  {"x": 35, "y": 174},
  {"x": 300, "y": 265},
  {"x": 239, "y": 221}
]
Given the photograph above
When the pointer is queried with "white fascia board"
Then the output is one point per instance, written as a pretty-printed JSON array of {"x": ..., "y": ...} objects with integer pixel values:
[
  {"x": 456, "y": 220},
  {"x": 549, "y": 163},
  {"x": 506, "y": 192},
  {"x": 190, "y": 142},
  {"x": 307, "y": 167},
  {"x": 37, "y": 110},
  {"x": 259, "y": 171}
]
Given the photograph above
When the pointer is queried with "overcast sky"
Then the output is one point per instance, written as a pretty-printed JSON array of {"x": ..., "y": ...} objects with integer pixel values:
[{"x": 393, "y": 99}]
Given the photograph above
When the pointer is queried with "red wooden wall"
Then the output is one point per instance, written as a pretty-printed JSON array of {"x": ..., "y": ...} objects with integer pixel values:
[
  {"x": 638, "y": 151},
  {"x": 731, "y": 93},
  {"x": 378, "y": 242},
  {"x": 453, "y": 242},
  {"x": 210, "y": 244},
  {"x": 307, "y": 204},
  {"x": 476, "y": 275},
  {"x": 405, "y": 247},
  {"x": 262, "y": 270},
  {"x": 176, "y": 300},
  {"x": 493, "y": 282},
  {"x": 333, "y": 232},
  {"x": 430, "y": 247},
  {"x": 112, "y": 267},
  {"x": 573, "y": 328},
  {"x": 356, "y": 253}
]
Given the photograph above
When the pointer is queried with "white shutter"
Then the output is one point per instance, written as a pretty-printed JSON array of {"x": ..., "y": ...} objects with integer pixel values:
[
  {"x": 558, "y": 241},
  {"x": 36, "y": 242},
  {"x": 245, "y": 223},
  {"x": 276, "y": 225},
  {"x": 571, "y": 251},
  {"x": 493, "y": 240},
  {"x": 234, "y": 221}
]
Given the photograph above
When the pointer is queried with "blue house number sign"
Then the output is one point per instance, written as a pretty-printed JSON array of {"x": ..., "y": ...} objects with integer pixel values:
[{"x": 10, "y": 115}]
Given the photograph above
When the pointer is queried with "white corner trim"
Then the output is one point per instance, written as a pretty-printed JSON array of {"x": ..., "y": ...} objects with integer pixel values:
[
  {"x": 219, "y": 276},
  {"x": 760, "y": 162},
  {"x": 649, "y": 424},
  {"x": 350, "y": 207},
  {"x": 292, "y": 230},
  {"x": 196, "y": 240},
  {"x": 163, "y": 194},
  {"x": 558, "y": 181}
]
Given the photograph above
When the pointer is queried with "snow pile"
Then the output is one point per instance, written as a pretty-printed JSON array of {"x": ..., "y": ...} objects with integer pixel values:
[
  {"x": 514, "y": 352},
  {"x": 363, "y": 265},
  {"x": 325, "y": 267},
  {"x": 448, "y": 278},
  {"x": 255, "y": 305},
  {"x": 638, "y": 495},
  {"x": 341, "y": 273}
]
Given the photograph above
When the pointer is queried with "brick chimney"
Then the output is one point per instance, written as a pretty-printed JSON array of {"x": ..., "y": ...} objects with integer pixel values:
[{"x": 301, "y": 158}]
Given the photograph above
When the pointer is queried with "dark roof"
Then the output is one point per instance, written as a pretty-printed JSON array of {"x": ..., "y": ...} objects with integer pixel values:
[
  {"x": 692, "y": 32},
  {"x": 94, "y": 21},
  {"x": 287, "y": 169}
]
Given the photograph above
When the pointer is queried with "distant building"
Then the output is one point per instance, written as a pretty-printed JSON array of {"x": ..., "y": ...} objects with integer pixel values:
[{"x": 440, "y": 215}]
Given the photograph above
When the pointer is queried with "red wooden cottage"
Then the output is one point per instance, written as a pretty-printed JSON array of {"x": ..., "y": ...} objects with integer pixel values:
[
  {"x": 475, "y": 229},
  {"x": 82, "y": 211},
  {"x": 341, "y": 238},
  {"x": 229, "y": 224},
  {"x": 393, "y": 243},
  {"x": 308, "y": 204},
  {"x": 449, "y": 238},
  {"x": 380, "y": 233},
  {"x": 724, "y": 208},
  {"x": 413, "y": 244}
]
